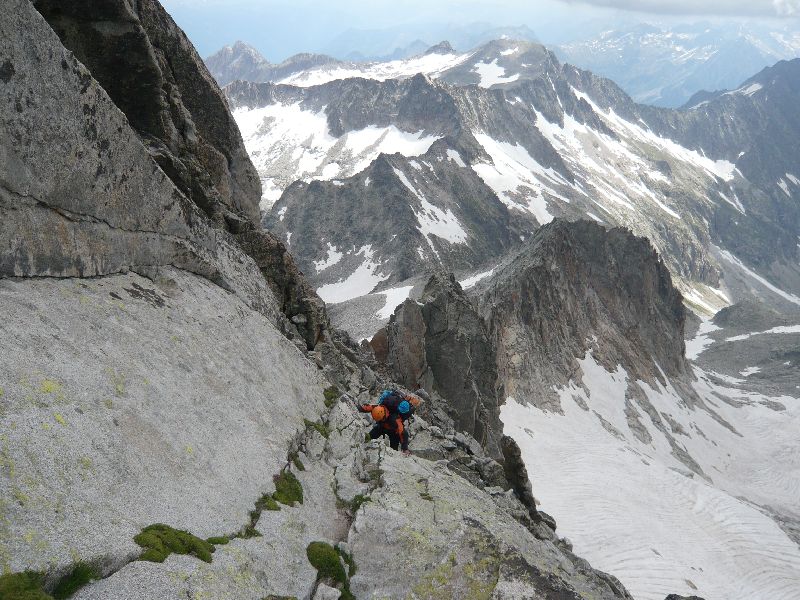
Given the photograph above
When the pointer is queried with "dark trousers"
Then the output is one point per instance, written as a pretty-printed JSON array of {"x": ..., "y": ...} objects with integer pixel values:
[{"x": 378, "y": 431}]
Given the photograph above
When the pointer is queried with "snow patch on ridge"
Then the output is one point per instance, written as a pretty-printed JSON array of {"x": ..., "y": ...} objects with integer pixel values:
[
  {"x": 394, "y": 297},
  {"x": 432, "y": 65},
  {"x": 361, "y": 282},
  {"x": 723, "y": 169},
  {"x": 333, "y": 258},
  {"x": 513, "y": 169},
  {"x": 455, "y": 157},
  {"x": 492, "y": 74},
  {"x": 774, "y": 330},
  {"x": 471, "y": 282},
  {"x": 753, "y": 275},
  {"x": 701, "y": 341},
  {"x": 433, "y": 220}
]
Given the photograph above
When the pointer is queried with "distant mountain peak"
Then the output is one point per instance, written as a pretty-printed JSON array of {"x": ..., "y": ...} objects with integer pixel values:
[{"x": 442, "y": 47}]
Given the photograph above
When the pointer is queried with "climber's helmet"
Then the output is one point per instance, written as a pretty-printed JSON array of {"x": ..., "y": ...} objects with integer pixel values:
[{"x": 379, "y": 413}]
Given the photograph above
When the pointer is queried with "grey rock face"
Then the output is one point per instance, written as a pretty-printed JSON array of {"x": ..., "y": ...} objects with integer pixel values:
[
  {"x": 577, "y": 287},
  {"x": 441, "y": 344},
  {"x": 298, "y": 300},
  {"x": 128, "y": 402},
  {"x": 440, "y": 548},
  {"x": 82, "y": 197},
  {"x": 749, "y": 316},
  {"x": 517, "y": 475},
  {"x": 154, "y": 75}
]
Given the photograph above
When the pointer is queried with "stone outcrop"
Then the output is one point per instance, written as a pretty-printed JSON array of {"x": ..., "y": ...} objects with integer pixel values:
[
  {"x": 298, "y": 300},
  {"x": 440, "y": 343},
  {"x": 83, "y": 197},
  {"x": 153, "y": 74},
  {"x": 575, "y": 288}
]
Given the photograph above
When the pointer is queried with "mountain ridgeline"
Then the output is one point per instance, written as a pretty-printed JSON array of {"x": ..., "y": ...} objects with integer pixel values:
[{"x": 465, "y": 171}]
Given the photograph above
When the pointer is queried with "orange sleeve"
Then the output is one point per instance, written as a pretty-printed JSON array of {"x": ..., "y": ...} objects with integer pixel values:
[{"x": 400, "y": 427}]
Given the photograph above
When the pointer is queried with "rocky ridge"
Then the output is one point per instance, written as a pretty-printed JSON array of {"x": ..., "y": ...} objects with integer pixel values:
[{"x": 154, "y": 373}]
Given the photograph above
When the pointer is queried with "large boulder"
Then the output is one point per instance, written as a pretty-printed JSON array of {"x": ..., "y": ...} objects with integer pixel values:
[{"x": 128, "y": 402}]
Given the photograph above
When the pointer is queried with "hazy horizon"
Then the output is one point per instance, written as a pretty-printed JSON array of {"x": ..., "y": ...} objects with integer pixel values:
[{"x": 279, "y": 29}]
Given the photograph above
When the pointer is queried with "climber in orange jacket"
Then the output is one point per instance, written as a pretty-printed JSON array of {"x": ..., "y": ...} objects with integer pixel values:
[{"x": 387, "y": 423}]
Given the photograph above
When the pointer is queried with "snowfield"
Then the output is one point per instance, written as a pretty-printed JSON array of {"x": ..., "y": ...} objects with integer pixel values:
[
  {"x": 634, "y": 510},
  {"x": 493, "y": 74},
  {"x": 288, "y": 143}
]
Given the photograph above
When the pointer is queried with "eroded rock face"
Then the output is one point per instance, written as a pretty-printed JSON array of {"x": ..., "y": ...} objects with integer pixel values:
[
  {"x": 82, "y": 197},
  {"x": 577, "y": 288},
  {"x": 298, "y": 300},
  {"x": 441, "y": 344},
  {"x": 154, "y": 75}
]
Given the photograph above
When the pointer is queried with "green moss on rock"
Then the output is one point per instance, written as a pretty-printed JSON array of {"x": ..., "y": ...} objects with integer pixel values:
[
  {"x": 288, "y": 489},
  {"x": 159, "y": 541},
  {"x": 325, "y": 559},
  {"x": 348, "y": 559},
  {"x": 321, "y": 428},
  {"x": 220, "y": 540},
  {"x": 266, "y": 503},
  {"x": 23, "y": 586},
  {"x": 80, "y": 575},
  {"x": 331, "y": 395}
]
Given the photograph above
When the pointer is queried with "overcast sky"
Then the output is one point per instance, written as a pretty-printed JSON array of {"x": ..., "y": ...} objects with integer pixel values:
[{"x": 280, "y": 28}]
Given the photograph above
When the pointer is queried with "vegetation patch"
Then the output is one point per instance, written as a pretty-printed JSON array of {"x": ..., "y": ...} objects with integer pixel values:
[
  {"x": 348, "y": 559},
  {"x": 220, "y": 540},
  {"x": 23, "y": 586},
  {"x": 80, "y": 575},
  {"x": 356, "y": 502},
  {"x": 288, "y": 489},
  {"x": 321, "y": 428},
  {"x": 294, "y": 458},
  {"x": 327, "y": 560},
  {"x": 249, "y": 530},
  {"x": 159, "y": 541},
  {"x": 49, "y": 386},
  {"x": 266, "y": 502},
  {"x": 331, "y": 394}
]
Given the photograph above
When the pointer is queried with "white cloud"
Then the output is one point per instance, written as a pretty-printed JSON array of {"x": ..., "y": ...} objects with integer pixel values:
[
  {"x": 764, "y": 8},
  {"x": 787, "y": 8}
]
